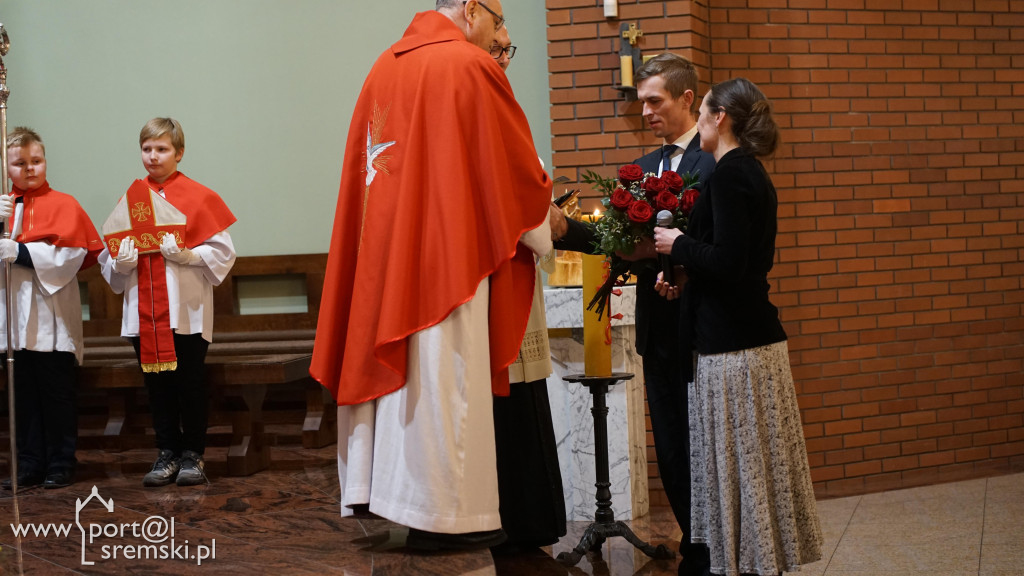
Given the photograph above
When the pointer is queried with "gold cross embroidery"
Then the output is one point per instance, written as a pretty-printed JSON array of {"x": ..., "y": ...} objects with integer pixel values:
[{"x": 141, "y": 212}]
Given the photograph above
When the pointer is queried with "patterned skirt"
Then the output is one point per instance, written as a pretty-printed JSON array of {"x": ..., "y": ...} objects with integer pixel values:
[{"x": 753, "y": 502}]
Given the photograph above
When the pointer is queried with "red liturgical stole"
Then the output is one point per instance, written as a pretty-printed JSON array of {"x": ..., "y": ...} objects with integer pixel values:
[{"x": 146, "y": 217}]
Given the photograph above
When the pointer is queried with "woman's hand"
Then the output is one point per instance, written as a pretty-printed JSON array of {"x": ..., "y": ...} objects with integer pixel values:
[
  {"x": 671, "y": 291},
  {"x": 664, "y": 238}
]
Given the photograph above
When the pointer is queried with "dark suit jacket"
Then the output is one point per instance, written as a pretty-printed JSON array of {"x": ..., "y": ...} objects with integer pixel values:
[{"x": 656, "y": 318}]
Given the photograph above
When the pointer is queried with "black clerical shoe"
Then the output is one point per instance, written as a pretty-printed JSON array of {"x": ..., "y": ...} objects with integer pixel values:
[
  {"x": 432, "y": 541},
  {"x": 696, "y": 560},
  {"x": 509, "y": 548},
  {"x": 59, "y": 479},
  {"x": 25, "y": 480}
]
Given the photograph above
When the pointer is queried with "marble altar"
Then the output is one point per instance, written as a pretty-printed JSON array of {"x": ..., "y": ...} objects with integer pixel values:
[{"x": 571, "y": 403}]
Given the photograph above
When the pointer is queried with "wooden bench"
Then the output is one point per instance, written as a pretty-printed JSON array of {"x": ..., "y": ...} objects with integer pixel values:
[{"x": 252, "y": 352}]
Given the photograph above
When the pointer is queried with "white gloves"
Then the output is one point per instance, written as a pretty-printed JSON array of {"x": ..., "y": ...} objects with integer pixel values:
[
  {"x": 8, "y": 250},
  {"x": 183, "y": 256},
  {"x": 127, "y": 257},
  {"x": 6, "y": 206}
]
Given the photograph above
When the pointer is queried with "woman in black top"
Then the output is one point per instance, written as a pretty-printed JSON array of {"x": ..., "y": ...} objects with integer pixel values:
[{"x": 753, "y": 502}]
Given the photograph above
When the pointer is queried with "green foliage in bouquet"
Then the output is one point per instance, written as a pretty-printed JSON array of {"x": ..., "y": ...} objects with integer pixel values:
[{"x": 631, "y": 205}]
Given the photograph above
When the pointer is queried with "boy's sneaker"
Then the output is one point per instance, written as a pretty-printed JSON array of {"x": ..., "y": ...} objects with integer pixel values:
[
  {"x": 191, "y": 473},
  {"x": 164, "y": 471}
]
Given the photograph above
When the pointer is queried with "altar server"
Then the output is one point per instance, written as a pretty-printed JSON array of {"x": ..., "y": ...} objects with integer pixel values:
[
  {"x": 52, "y": 238},
  {"x": 167, "y": 247}
]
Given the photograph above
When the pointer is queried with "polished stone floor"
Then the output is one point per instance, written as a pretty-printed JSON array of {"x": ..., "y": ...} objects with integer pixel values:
[{"x": 285, "y": 521}]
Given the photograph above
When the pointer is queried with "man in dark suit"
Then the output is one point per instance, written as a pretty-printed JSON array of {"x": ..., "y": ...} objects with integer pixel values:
[{"x": 667, "y": 86}]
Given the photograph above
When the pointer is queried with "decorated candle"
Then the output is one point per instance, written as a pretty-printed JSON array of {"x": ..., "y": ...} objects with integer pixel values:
[
  {"x": 597, "y": 334},
  {"x": 626, "y": 70}
]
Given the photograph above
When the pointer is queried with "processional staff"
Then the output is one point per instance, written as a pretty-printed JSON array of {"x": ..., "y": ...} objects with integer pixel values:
[{"x": 5, "y": 44}]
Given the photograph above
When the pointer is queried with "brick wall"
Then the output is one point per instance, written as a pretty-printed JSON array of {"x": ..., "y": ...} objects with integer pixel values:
[{"x": 901, "y": 217}]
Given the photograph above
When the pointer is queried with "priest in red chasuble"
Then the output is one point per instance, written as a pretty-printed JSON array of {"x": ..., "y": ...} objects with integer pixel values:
[{"x": 428, "y": 288}]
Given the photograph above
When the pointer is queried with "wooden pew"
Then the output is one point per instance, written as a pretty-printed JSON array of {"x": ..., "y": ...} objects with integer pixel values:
[{"x": 251, "y": 353}]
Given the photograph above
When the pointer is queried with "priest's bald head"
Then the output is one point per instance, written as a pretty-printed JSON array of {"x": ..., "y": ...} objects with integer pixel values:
[{"x": 479, "y": 21}]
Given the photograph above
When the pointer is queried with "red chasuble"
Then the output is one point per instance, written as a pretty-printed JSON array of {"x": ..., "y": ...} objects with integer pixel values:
[
  {"x": 58, "y": 219},
  {"x": 440, "y": 179},
  {"x": 192, "y": 213}
]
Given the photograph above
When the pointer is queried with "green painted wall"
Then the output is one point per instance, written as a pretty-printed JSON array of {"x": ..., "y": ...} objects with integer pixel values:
[{"x": 263, "y": 88}]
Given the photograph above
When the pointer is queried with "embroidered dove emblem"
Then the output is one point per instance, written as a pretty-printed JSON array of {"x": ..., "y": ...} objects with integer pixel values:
[{"x": 372, "y": 151}]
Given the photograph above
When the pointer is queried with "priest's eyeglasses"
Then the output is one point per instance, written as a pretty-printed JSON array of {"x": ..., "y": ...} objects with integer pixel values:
[
  {"x": 499, "y": 20},
  {"x": 497, "y": 51}
]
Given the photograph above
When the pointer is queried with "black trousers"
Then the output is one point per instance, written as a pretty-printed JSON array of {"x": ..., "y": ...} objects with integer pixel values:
[
  {"x": 46, "y": 417},
  {"x": 530, "y": 498},
  {"x": 178, "y": 399},
  {"x": 670, "y": 425}
]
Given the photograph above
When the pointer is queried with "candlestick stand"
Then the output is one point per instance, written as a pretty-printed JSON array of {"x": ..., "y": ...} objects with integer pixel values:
[{"x": 604, "y": 525}]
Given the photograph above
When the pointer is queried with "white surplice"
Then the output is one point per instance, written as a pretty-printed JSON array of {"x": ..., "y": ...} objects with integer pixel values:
[
  {"x": 189, "y": 288},
  {"x": 47, "y": 304},
  {"x": 534, "y": 360}
]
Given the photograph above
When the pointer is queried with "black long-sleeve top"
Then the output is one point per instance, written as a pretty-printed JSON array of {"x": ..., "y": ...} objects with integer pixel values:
[{"x": 728, "y": 250}]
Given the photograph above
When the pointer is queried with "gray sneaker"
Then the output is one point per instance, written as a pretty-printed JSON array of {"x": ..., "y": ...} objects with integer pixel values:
[
  {"x": 191, "y": 473},
  {"x": 164, "y": 471}
]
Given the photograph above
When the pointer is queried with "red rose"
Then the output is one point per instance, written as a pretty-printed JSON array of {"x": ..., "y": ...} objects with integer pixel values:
[
  {"x": 673, "y": 181},
  {"x": 630, "y": 173},
  {"x": 667, "y": 201},
  {"x": 653, "y": 186},
  {"x": 688, "y": 200},
  {"x": 640, "y": 212},
  {"x": 621, "y": 199}
]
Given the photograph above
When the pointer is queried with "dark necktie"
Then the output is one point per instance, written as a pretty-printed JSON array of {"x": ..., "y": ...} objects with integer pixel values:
[{"x": 666, "y": 157}]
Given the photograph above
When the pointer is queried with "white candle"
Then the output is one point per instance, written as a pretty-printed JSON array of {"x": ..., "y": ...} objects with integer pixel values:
[{"x": 611, "y": 8}]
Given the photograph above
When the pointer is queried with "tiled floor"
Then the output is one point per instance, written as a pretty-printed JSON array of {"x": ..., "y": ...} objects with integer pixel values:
[{"x": 285, "y": 521}]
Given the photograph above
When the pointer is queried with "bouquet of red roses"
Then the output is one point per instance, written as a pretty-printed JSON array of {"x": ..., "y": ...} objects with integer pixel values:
[{"x": 632, "y": 202}]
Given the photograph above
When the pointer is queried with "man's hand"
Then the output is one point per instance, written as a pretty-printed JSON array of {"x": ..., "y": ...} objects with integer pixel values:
[
  {"x": 127, "y": 257},
  {"x": 559, "y": 227},
  {"x": 8, "y": 250},
  {"x": 6, "y": 206},
  {"x": 664, "y": 238},
  {"x": 644, "y": 250},
  {"x": 183, "y": 256}
]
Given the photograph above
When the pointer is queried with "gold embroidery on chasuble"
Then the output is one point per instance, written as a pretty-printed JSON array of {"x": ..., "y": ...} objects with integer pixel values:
[{"x": 376, "y": 161}]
